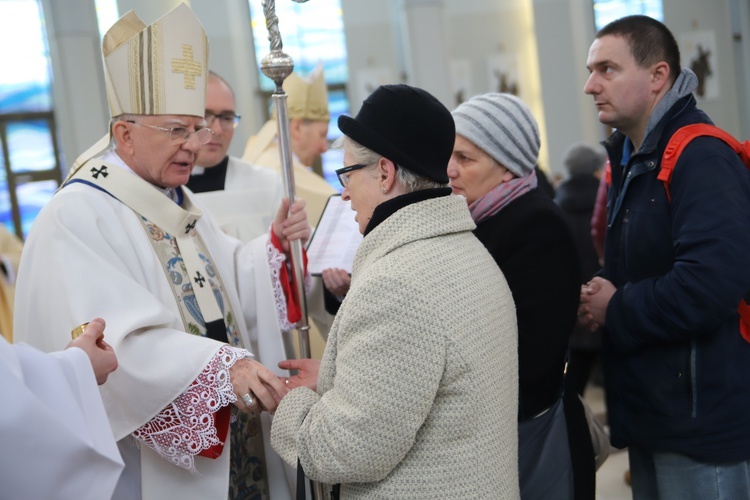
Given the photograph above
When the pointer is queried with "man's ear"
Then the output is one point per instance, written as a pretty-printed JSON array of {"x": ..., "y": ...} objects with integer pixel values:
[
  {"x": 295, "y": 127},
  {"x": 660, "y": 77},
  {"x": 123, "y": 136}
]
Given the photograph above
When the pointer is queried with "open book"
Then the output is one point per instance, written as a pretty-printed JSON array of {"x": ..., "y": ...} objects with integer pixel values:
[{"x": 336, "y": 238}]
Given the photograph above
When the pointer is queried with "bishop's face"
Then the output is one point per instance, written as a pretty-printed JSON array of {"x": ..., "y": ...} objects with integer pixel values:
[{"x": 159, "y": 159}]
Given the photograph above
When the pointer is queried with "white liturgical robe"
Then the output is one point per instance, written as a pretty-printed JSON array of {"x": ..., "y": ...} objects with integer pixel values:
[
  {"x": 246, "y": 206},
  {"x": 90, "y": 255},
  {"x": 56, "y": 440}
]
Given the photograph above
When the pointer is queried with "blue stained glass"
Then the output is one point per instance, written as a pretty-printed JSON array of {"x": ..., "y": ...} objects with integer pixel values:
[
  {"x": 25, "y": 86},
  {"x": 30, "y": 146},
  {"x": 32, "y": 196},
  {"x": 606, "y": 11},
  {"x": 311, "y": 33},
  {"x": 6, "y": 214}
]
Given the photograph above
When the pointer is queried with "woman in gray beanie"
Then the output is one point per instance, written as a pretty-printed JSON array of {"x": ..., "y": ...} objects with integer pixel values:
[{"x": 492, "y": 166}]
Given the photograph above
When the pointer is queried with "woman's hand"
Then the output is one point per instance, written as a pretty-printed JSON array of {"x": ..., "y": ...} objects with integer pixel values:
[
  {"x": 307, "y": 373},
  {"x": 337, "y": 281}
]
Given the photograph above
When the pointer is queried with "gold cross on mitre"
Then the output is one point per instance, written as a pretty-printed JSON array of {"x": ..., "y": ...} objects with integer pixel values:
[{"x": 187, "y": 66}]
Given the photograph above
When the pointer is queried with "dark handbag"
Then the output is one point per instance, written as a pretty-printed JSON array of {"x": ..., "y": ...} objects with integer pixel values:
[{"x": 302, "y": 481}]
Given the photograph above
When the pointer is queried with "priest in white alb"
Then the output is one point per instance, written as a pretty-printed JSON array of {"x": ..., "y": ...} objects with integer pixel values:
[
  {"x": 185, "y": 304},
  {"x": 57, "y": 442}
]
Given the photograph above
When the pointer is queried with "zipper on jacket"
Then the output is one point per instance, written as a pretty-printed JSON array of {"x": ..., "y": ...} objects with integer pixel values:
[{"x": 693, "y": 392}]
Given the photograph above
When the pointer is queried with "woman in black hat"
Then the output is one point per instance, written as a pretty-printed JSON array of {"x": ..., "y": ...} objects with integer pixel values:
[{"x": 403, "y": 407}]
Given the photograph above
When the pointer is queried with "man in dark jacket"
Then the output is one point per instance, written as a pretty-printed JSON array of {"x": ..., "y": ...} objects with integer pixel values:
[{"x": 677, "y": 370}]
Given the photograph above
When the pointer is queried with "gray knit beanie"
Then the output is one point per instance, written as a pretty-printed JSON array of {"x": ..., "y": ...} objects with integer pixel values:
[
  {"x": 583, "y": 158},
  {"x": 503, "y": 127}
]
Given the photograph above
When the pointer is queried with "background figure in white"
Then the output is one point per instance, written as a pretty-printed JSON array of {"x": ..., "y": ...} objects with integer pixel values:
[
  {"x": 241, "y": 197},
  {"x": 57, "y": 443}
]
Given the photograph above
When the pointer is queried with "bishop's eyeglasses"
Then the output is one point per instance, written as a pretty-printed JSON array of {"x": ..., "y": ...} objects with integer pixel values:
[{"x": 181, "y": 134}]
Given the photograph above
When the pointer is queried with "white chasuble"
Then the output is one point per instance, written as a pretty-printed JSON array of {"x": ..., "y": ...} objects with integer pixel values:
[{"x": 90, "y": 255}]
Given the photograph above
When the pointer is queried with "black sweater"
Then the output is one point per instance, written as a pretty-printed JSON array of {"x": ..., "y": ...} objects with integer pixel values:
[{"x": 533, "y": 246}]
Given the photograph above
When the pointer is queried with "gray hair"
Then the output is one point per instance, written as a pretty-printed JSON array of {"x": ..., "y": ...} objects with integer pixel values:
[
  {"x": 407, "y": 179},
  {"x": 125, "y": 117}
]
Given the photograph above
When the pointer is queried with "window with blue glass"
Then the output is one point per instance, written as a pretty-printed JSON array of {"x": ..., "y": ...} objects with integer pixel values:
[
  {"x": 312, "y": 33},
  {"x": 606, "y": 11},
  {"x": 29, "y": 165}
]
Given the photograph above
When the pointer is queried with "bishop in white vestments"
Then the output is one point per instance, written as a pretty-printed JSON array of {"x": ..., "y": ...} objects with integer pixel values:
[{"x": 186, "y": 305}]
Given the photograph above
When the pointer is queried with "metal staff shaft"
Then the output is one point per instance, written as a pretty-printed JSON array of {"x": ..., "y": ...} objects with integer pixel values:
[
  {"x": 285, "y": 148},
  {"x": 277, "y": 66}
]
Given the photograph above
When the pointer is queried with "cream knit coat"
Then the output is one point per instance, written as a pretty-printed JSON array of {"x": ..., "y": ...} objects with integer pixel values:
[{"x": 418, "y": 387}]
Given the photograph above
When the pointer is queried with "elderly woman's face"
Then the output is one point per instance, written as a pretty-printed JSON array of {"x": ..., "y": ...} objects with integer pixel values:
[
  {"x": 364, "y": 192},
  {"x": 472, "y": 172}
]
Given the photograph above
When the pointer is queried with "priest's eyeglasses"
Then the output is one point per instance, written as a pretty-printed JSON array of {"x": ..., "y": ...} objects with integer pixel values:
[
  {"x": 343, "y": 173},
  {"x": 182, "y": 134},
  {"x": 226, "y": 120}
]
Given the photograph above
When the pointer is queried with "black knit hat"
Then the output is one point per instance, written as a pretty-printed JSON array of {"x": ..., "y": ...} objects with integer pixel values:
[{"x": 408, "y": 126}]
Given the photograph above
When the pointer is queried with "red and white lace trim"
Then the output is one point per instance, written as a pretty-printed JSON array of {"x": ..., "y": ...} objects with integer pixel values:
[
  {"x": 276, "y": 259},
  {"x": 186, "y": 427}
]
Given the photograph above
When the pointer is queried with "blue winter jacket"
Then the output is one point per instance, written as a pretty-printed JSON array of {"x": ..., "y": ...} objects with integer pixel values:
[{"x": 677, "y": 370}]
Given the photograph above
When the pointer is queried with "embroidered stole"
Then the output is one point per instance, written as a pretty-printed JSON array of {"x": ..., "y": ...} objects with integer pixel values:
[{"x": 198, "y": 291}]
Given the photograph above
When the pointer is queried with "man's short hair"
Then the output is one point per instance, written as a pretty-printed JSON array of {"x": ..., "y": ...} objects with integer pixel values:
[
  {"x": 214, "y": 74},
  {"x": 650, "y": 41}
]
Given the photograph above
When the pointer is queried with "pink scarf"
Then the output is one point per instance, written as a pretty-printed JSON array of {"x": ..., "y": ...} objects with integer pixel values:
[{"x": 498, "y": 197}]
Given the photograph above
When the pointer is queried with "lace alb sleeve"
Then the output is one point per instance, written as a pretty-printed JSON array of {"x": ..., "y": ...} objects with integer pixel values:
[
  {"x": 186, "y": 426},
  {"x": 282, "y": 289}
]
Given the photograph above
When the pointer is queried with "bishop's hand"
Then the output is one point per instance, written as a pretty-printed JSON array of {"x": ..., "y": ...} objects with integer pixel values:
[{"x": 265, "y": 390}]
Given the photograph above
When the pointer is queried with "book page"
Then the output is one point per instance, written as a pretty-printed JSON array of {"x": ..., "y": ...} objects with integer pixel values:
[{"x": 336, "y": 238}]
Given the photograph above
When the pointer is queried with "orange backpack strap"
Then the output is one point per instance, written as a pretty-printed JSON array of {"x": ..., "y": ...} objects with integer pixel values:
[
  {"x": 682, "y": 138},
  {"x": 744, "y": 311},
  {"x": 674, "y": 148}
]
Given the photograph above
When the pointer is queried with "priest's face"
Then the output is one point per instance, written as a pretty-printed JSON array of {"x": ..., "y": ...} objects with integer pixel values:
[
  {"x": 220, "y": 113},
  {"x": 309, "y": 139},
  {"x": 158, "y": 157}
]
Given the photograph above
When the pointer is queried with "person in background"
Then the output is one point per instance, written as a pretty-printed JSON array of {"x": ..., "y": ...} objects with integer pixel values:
[
  {"x": 307, "y": 103},
  {"x": 676, "y": 367},
  {"x": 307, "y": 107},
  {"x": 242, "y": 198},
  {"x": 399, "y": 410},
  {"x": 576, "y": 197},
  {"x": 492, "y": 169},
  {"x": 56, "y": 439},
  {"x": 10, "y": 256},
  {"x": 185, "y": 302}
]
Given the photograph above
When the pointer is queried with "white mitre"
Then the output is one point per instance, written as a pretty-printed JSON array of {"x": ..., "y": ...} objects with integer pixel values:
[
  {"x": 307, "y": 99},
  {"x": 160, "y": 69}
]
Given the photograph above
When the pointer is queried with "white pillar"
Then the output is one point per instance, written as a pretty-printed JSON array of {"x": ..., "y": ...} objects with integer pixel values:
[
  {"x": 232, "y": 55},
  {"x": 425, "y": 47},
  {"x": 80, "y": 99},
  {"x": 564, "y": 32}
]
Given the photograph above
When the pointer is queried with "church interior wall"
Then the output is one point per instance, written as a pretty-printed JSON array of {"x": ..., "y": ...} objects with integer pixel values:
[{"x": 546, "y": 40}]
